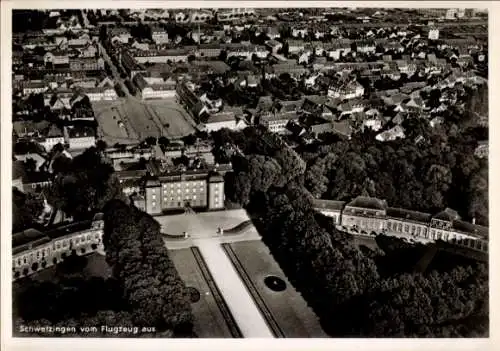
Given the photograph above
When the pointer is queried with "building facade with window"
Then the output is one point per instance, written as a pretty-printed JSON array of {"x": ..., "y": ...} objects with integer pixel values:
[
  {"x": 371, "y": 216},
  {"x": 201, "y": 189},
  {"x": 33, "y": 250}
]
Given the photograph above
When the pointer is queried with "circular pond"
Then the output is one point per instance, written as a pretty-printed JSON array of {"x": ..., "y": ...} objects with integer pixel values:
[
  {"x": 274, "y": 283},
  {"x": 194, "y": 294}
]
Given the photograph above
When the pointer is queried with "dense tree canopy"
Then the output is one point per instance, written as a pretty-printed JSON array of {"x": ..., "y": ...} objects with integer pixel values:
[
  {"x": 26, "y": 208},
  {"x": 355, "y": 292},
  {"x": 84, "y": 184},
  {"x": 151, "y": 285}
]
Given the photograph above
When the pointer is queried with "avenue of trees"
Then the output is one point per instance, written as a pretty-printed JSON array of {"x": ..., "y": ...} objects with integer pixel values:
[
  {"x": 354, "y": 292},
  {"x": 151, "y": 285}
]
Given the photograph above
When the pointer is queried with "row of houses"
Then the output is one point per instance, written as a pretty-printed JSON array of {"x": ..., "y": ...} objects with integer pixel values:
[
  {"x": 76, "y": 136},
  {"x": 205, "y": 51},
  {"x": 64, "y": 89}
]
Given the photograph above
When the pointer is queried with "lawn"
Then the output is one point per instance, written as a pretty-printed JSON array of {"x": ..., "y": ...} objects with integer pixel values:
[
  {"x": 113, "y": 128},
  {"x": 208, "y": 319},
  {"x": 201, "y": 224},
  {"x": 289, "y": 309},
  {"x": 129, "y": 120},
  {"x": 172, "y": 114}
]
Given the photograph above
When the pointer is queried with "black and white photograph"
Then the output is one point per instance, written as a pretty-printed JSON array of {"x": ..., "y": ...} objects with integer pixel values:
[{"x": 248, "y": 172}]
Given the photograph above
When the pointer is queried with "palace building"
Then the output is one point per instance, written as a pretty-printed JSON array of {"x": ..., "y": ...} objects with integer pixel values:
[
  {"x": 177, "y": 190},
  {"x": 372, "y": 216},
  {"x": 162, "y": 189},
  {"x": 33, "y": 250}
]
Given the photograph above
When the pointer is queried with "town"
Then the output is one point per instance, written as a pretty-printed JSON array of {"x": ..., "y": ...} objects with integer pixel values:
[{"x": 250, "y": 172}]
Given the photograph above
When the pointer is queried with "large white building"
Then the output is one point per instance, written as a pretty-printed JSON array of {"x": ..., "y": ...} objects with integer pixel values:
[
  {"x": 79, "y": 137},
  {"x": 349, "y": 90},
  {"x": 227, "y": 118},
  {"x": 155, "y": 88},
  {"x": 277, "y": 123},
  {"x": 33, "y": 251},
  {"x": 369, "y": 216}
]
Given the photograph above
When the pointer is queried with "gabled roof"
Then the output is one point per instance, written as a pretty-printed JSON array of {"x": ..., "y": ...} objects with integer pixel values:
[{"x": 53, "y": 132}]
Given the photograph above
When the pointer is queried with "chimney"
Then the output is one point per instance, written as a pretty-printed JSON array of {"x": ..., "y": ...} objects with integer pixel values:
[{"x": 474, "y": 220}]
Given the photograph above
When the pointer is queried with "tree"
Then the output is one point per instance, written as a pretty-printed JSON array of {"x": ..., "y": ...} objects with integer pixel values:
[
  {"x": 189, "y": 139},
  {"x": 30, "y": 165},
  {"x": 223, "y": 55},
  {"x": 26, "y": 209},
  {"x": 101, "y": 145},
  {"x": 152, "y": 286},
  {"x": 285, "y": 50},
  {"x": 85, "y": 185},
  {"x": 163, "y": 141},
  {"x": 315, "y": 180},
  {"x": 151, "y": 141},
  {"x": 379, "y": 293}
]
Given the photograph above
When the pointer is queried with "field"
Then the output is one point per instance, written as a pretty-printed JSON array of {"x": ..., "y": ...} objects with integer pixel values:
[
  {"x": 168, "y": 112},
  {"x": 140, "y": 120},
  {"x": 290, "y": 311},
  {"x": 109, "y": 115},
  {"x": 208, "y": 319}
]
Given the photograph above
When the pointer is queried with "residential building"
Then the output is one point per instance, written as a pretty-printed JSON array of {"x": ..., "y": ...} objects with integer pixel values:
[
  {"x": 346, "y": 90},
  {"x": 163, "y": 56},
  {"x": 53, "y": 137},
  {"x": 86, "y": 64},
  {"x": 185, "y": 95},
  {"x": 154, "y": 88},
  {"x": 56, "y": 58},
  {"x": 277, "y": 122},
  {"x": 233, "y": 14},
  {"x": 101, "y": 93},
  {"x": 159, "y": 35},
  {"x": 231, "y": 118},
  {"x": 33, "y": 251},
  {"x": 330, "y": 208},
  {"x": 200, "y": 16},
  {"x": 79, "y": 137}
]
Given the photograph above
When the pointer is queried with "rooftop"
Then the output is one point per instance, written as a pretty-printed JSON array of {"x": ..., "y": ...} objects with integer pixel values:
[
  {"x": 416, "y": 216},
  {"x": 368, "y": 203},
  {"x": 329, "y": 205},
  {"x": 28, "y": 236}
]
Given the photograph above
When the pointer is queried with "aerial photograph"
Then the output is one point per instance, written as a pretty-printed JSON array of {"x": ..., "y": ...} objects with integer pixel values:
[{"x": 250, "y": 173}]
